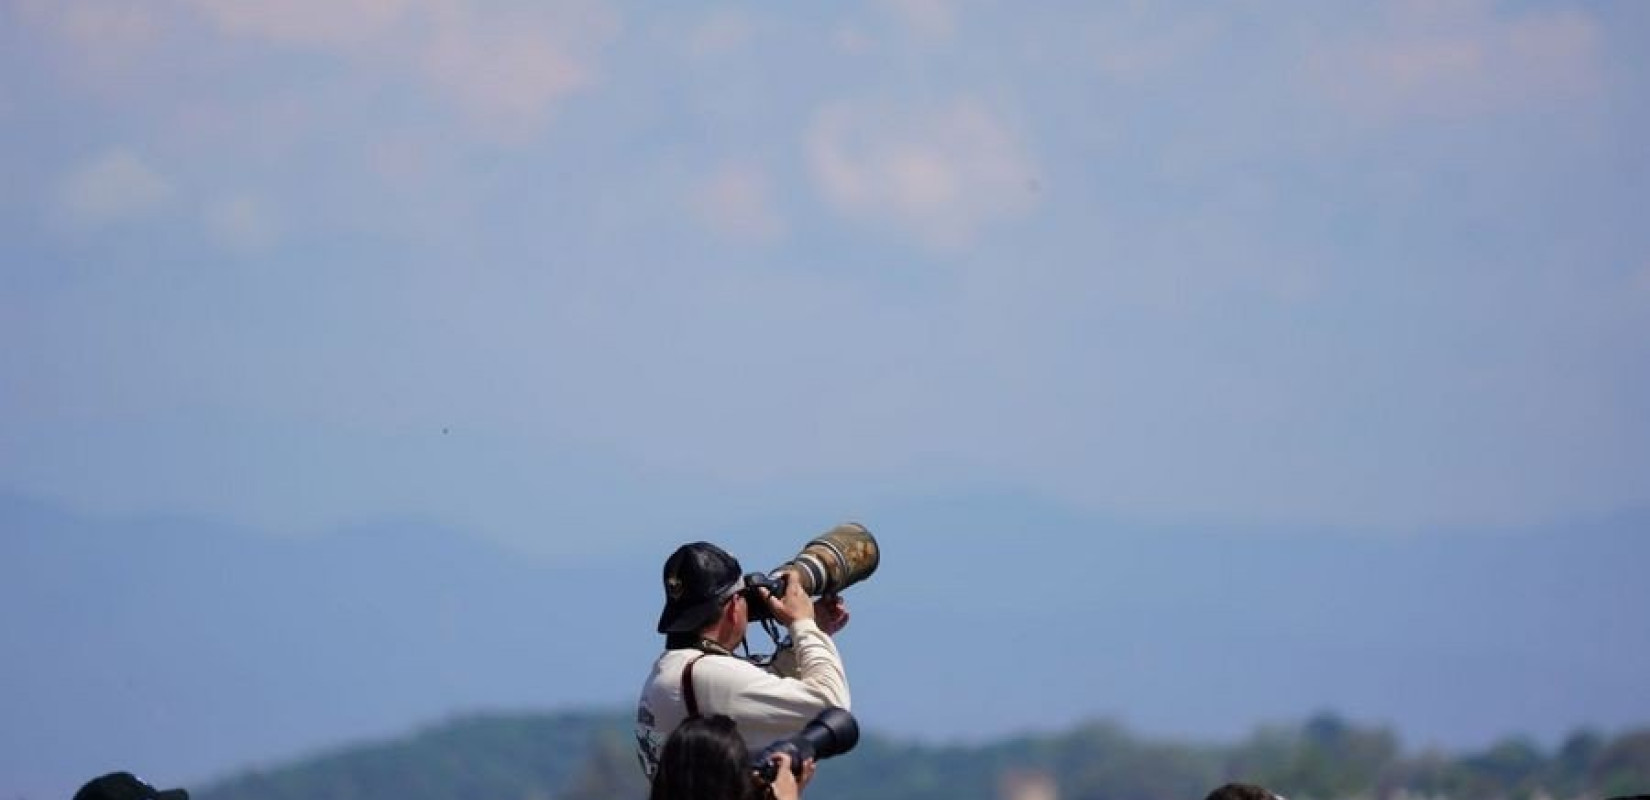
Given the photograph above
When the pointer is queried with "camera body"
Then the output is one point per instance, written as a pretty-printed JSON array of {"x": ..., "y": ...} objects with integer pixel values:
[
  {"x": 832, "y": 733},
  {"x": 774, "y": 582}
]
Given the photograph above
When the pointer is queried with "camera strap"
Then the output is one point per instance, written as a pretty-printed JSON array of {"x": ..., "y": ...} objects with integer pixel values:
[
  {"x": 707, "y": 647},
  {"x": 687, "y": 687}
]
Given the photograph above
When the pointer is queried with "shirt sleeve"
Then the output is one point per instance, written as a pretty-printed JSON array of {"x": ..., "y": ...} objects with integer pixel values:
[{"x": 771, "y": 701}]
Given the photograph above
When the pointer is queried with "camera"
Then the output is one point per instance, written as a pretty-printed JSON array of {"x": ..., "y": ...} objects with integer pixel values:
[
  {"x": 774, "y": 582},
  {"x": 832, "y": 733},
  {"x": 827, "y": 564}
]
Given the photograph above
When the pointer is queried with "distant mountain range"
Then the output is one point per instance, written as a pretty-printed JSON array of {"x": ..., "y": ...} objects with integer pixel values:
[
  {"x": 187, "y": 650},
  {"x": 184, "y": 649}
]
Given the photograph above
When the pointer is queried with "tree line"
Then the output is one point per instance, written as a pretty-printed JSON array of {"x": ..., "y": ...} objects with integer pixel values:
[{"x": 590, "y": 756}]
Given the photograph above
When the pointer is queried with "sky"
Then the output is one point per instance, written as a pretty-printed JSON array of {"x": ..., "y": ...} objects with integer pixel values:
[{"x": 587, "y": 279}]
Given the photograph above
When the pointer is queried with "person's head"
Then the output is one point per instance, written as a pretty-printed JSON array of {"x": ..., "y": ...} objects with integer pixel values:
[
  {"x": 705, "y": 759},
  {"x": 1242, "y": 791},
  {"x": 702, "y": 595},
  {"x": 125, "y": 786}
]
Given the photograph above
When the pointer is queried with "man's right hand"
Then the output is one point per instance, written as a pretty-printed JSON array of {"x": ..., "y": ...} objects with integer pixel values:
[{"x": 793, "y": 605}]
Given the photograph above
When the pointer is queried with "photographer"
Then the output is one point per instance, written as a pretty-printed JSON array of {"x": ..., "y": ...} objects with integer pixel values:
[
  {"x": 705, "y": 759},
  {"x": 704, "y": 619}
]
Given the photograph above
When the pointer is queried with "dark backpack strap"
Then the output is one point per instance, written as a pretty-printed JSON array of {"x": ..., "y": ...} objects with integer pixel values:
[{"x": 687, "y": 687}]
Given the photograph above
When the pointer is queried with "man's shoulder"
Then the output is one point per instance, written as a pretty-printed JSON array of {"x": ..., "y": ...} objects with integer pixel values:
[
  {"x": 716, "y": 665},
  {"x": 678, "y": 659}
]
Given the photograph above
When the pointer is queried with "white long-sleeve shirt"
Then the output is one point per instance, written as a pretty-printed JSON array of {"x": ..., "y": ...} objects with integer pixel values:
[{"x": 766, "y": 706}]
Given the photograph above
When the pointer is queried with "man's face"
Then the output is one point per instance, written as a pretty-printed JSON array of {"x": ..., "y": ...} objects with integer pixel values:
[
  {"x": 741, "y": 610},
  {"x": 736, "y": 616}
]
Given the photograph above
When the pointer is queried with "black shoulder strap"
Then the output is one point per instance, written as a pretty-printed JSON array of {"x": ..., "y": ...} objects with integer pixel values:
[{"x": 687, "y": 687}]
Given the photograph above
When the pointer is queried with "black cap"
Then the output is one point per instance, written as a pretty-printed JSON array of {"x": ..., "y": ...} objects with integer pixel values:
[
  {"x": 125, "y": 786},
  {"x": 698, "y": 577}
]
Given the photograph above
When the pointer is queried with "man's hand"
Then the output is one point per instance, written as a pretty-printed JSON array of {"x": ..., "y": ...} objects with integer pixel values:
[
  {"x": 794, "y": 605},
  {"x": 831, "y": 613}
]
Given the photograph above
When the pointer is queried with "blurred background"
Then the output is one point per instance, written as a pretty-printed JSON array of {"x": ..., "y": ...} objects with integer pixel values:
[{"x": 1198, "y": 367}]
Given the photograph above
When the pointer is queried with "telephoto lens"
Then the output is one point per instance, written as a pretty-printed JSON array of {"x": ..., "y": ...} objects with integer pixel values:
[
  {"x": 830, "y": 734},
  {"x": 827, "y": 564},
  {"x": 836, "y": 559}
]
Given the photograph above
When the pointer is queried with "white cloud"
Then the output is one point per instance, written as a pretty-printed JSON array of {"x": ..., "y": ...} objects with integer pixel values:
[
  {"x": 103, "y": 35},
  {"x": 1133, "y": 45},
  {"x": 122, "y": 26},
  {"x": 111, "y": 186},
  {"x": 851, "y": 40},
  {"x": 504, "y": 66},
  {"x": 929, "y": 19},
  {"x": 737, "y": 203},
  {"x": 507, "y": 74},
  {"x": 940, "y": 174},
  {"x": 306, "y": 22},
  {"x": 723, "y": 32},
  {"x": 242, "y": 224},
  {"x": 1460, "y": 59}
]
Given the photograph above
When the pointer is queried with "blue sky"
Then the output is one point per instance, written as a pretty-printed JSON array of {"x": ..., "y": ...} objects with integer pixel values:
[
  {"x": 587, "y": 279},
  {"x": 1373, "y": 269}
]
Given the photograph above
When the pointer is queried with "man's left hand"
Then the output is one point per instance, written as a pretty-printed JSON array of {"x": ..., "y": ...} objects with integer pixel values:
[{"x": 831, "y": 613}]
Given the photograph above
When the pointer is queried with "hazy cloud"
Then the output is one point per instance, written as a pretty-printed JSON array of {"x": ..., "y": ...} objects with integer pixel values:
[
  {"x": 503, "y": 66},
  {"x": 108, "y": 26},
  {"x": 723, "y": 32},
  {"x": 1463, "y": 58},
  {"x": 929, "y": 19},
  {"x": 737, "y": 202},
  {"x": 102, "y": 35},
  {"x": 328, "y": 23},
  {"x": 111, "y": 186},
  {"x": 851, "y": 40},
  {"x": 1134, "y": 45},
  {"x": 242, "y": 224},
  {"x": 941, "y": 174},
  {"x": 508, "y": 73}
]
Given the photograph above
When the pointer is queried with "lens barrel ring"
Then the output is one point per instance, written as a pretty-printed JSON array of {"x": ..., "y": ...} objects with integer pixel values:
[
  {"x": 840, "y": 573},
  {"x": 816, "y": 575}
]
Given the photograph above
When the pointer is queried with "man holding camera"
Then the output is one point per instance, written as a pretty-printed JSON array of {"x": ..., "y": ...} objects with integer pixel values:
[{"x": 707, "y": 609}]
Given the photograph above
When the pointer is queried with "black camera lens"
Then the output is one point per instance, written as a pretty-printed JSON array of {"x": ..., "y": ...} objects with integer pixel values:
[{"x": 832, "y": 733}]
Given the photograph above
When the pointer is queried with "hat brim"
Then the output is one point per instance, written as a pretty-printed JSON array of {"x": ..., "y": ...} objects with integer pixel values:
[{"x": 690, "y": 617}]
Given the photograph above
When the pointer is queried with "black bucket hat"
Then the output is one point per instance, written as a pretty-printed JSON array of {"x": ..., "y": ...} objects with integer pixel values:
[
  {"x": 698, "y": 578},
  {"x": 125, "y": 786}
]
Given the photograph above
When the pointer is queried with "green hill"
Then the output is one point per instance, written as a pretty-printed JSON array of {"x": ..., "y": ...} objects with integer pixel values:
[
  {"x": 586, "y": 756},
  {"x": 514, "y": 756}
]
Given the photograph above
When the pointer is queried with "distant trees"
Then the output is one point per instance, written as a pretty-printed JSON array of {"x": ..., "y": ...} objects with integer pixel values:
[
  {"x": 609, "y": 771},
  {"x": 1622, "y": 766},
  {"x": 591, "y": 757}
]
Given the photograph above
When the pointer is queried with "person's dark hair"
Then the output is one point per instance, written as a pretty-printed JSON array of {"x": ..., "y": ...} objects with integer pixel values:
[
  {"x": 125, "y": 786},
  {"x": 1241, "y": 791},
  {"x": 705, "y": 759}
]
